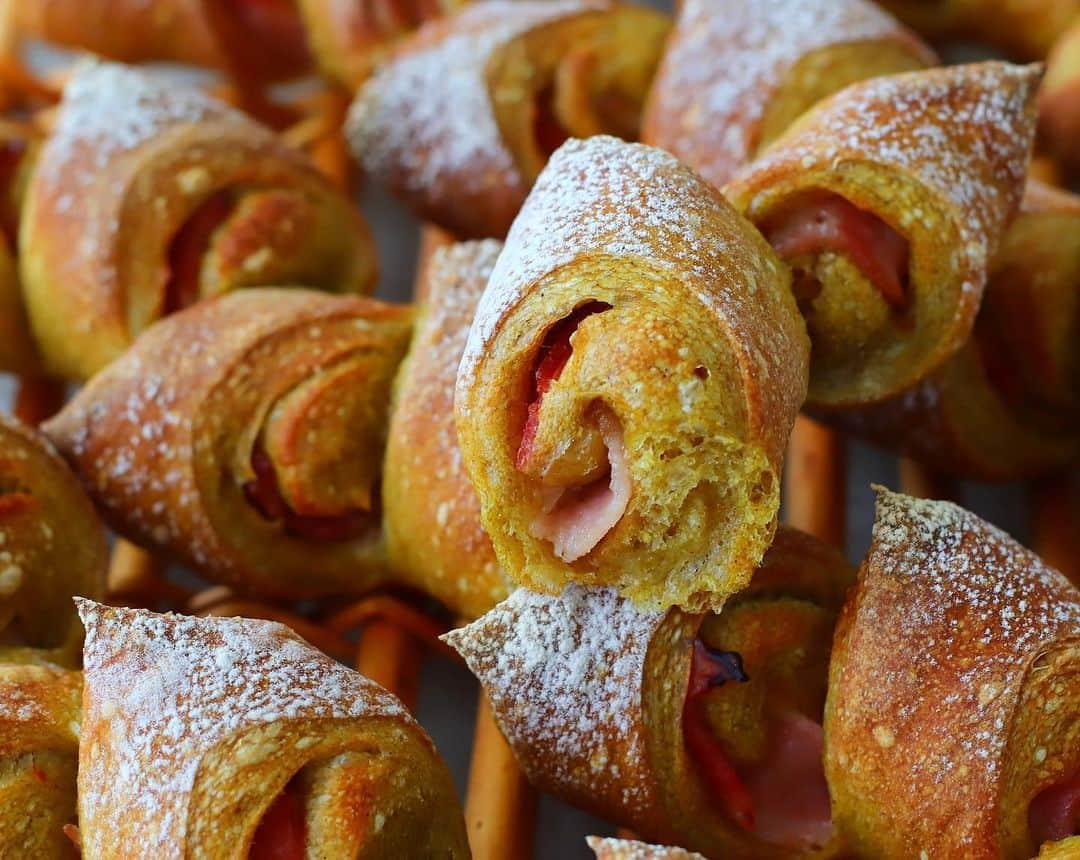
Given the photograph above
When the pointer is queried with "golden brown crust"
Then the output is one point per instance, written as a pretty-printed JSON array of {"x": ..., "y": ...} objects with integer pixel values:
[
  {"x": 254, "y": 42},
  {"x": 52, "y": 544},
  {"x": 349, "y": 39},
  {"x": 39, "y": 739},
  {"x": 131, "y": 31},
  {"x": 735, "y": 74},
  {"x": 450, "y": 122},
  {"x": 132, "y": 162},
  {"x": 1024, "y": 30},
  {"x": 694, "y": 291},
  {"x": 431, "y": 514},
  {"x": 1066, "y": 849},
  {"x": 941, "y": 157},
  {"x": 1005, "y": 406},
  {"x": 589, "y": 692},
  {"x": 957, "y": 422},
  {"x": 168, "y": 437},
  {"x": 191, "y": 728},
  {"x": 931, "y": 731}
]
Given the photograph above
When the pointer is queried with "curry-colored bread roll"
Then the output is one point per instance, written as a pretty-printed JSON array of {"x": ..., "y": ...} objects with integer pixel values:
[
  {"x": 39, "y": 743},
  {"x": 245, "y": 435},
  {"x": 149, "y": 197},
  {"x": 736, "y": 74},
  {"x": 1025, "y": 30},
  {"x": 52, "y": 544},
  {"x": 889, "y": 200},
  {"x": 232, "y": 737},
  {"x": 128, "y": 30},
  {"x": 1033, "y": 298},
  {"x": 696, "y": 730},
  {"x": 630, "y": 382},
  {"x": 351, "y": 37},
  {"x": 1006, "y": 405},
  {"x": 1059, "y": 98},
  {"x": 1065, "y": 849},
  {"x": 952, "y": 727},
  {"x": 460, "y": 121},
  {"x": 263, "y": 39},
  {"x": 431, "y": 515},
  {"x": 629, "y": 849},
  {"x": 19, "y": 145}
]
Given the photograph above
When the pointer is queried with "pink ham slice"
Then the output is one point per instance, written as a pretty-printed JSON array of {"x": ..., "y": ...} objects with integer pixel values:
[
  {"x": 577, "y": 518},
  {"x": 790, "y": 795},
  {"x": 828, "y": 222},
  {"x": 1055, "y": 812}
]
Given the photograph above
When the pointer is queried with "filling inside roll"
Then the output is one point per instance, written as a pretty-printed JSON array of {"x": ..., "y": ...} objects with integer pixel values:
[
  {"x": 586, "y": 481},
  {"x": 189, "y": 247},
  {"x": 752, "y": 719},
  {"x": 1041, "y": 769},
  {"x": 822, "y": 224},
  {"x": 362, "y": 803},
  {"x": 281, "y": 834},
  {"x": 1054, "y": 813},
  {"x": 314, "y": 465},
  {"x": 582, "y": 76},
  {"x": 237, "y": 236}
]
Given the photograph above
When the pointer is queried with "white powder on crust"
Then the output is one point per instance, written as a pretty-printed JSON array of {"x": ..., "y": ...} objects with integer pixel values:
[
  {"x": 163, "y": 690},
  {"x": 728, "y": 56},
  {"x": 564, "y": 675}
]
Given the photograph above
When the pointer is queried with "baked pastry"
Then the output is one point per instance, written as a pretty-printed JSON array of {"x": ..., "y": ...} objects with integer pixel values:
[
  {"x": 953, "y": 719},
  {"x": 461, "y": 119},
  {"x": 640, "y": 716},
  {"x": 245, "y": 435},
  {"x": 629, "y": 849},
  {"x": 149, "y": 197},
  {"x": 351, "y": 37},
  {"x": 889, "y": 200},
  {"x": 19, "y": 143},
  {"x": 127, "y": 30},
  {"x": 261, "y": 38},
  {"x": 737, "y": 74},
  {"x": 1025, "y": 30},
  {"x": 231, "y": 737},
  {"x": 52, "y": 544},
  {"x": 39, "y": 743},
  {"x": 431, "y": 515},
  {"x": 1065, "y": 849},
  {"x": 1059, "y": 98},
  {"x": 629, "y": 383},
  {"x": 1006, "y": 405}
]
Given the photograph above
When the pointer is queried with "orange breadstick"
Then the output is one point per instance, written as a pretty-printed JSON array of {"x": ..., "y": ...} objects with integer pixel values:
[
  {"x": 815, "y": 481},
  {"x": 917, "y": 480},
  {"x": 325, "y": 641},
  {"x": 136, "y": 578},
  {"x": 391, "y": 657},
  {"x": 397, "y": 613},
  {"x": 500, "y": 805},
  {"x": 387, "y": 653}
]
